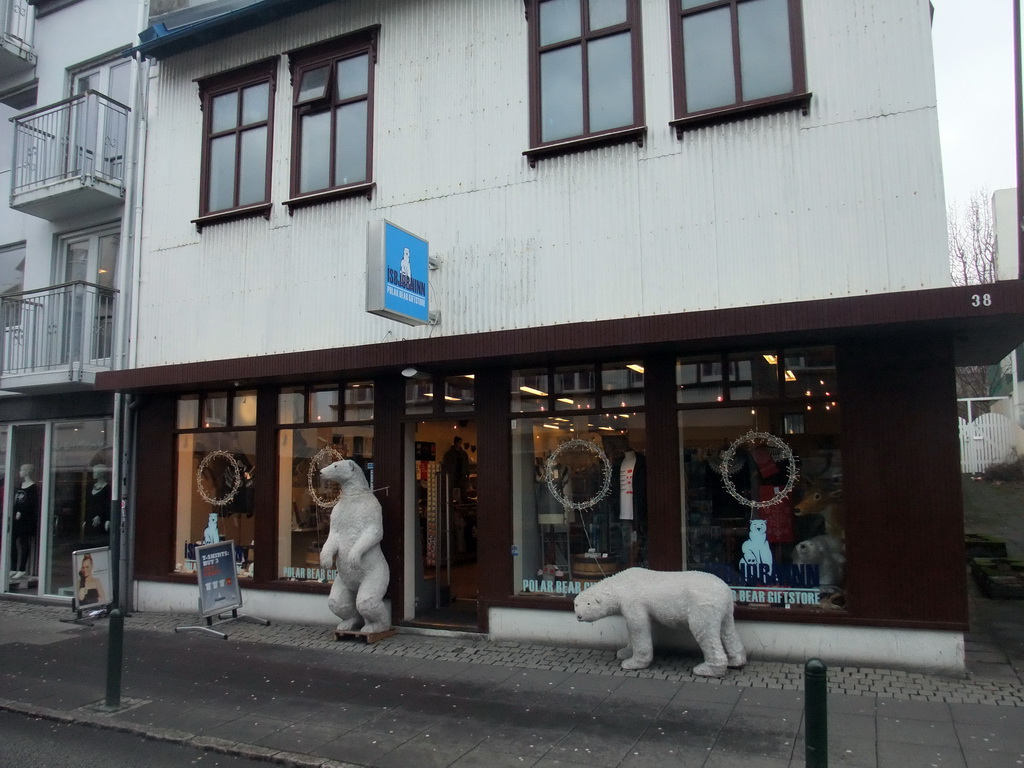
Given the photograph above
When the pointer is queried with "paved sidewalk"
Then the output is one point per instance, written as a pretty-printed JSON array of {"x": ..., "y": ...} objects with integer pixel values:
[{"x": 293, "y": 695}]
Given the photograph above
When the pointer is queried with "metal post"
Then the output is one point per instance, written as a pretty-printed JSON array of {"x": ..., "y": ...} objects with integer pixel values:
[
  {"x": 815, "y": 714},
  {"x": 115, "y": 639}
]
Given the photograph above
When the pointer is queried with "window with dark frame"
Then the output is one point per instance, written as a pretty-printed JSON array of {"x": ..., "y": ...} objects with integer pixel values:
[
  {"x": 238, "y": 110},
  {"x": 332, "y": 117},
  {"x": 735, "y": 56},
  {"x": 586, "y": 73}
]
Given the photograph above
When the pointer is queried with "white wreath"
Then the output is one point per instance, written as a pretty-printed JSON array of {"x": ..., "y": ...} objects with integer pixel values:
[
  {"x": 785, "y": 454},
  {"x": 235, "y": 486},
  {"x": 552, "y": 478},
  {"x": 334, "y": 455}
]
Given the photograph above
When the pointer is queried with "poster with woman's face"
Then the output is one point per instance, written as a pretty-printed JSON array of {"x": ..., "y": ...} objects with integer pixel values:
[{"x": 91, "y": 569}]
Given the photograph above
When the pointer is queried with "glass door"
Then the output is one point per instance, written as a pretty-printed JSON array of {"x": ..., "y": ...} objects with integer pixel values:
[
  {"x": 57, "y": 493},
  {"x": 91, "y": 258},
  {"x": 444, "y": 493},
  {"x": 24, "y": 500}
]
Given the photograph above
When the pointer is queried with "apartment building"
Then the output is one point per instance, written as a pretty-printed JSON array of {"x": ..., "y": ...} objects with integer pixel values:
[{"x": 66, "y": 138}]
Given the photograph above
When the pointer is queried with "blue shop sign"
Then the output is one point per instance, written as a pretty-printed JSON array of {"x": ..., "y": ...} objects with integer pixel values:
[{"x": 398, "y": 274}]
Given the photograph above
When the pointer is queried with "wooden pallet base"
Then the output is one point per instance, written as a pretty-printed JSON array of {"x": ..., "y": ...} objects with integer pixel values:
[{"x": 369, "y": 637}]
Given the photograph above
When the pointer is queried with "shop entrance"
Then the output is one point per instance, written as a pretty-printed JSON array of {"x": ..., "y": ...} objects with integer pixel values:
[{"x": 442, "y": 520}]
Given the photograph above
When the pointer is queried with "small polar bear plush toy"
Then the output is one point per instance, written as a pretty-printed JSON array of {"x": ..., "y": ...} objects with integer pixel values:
[
  {"x": 212, "y": 533},
  {"x": 353, "y": 547},
  {"x": 826, "y": 552},
  {"x": 695, "y": 600}
]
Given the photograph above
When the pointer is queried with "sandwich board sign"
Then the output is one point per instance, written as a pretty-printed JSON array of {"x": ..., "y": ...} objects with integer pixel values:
[{"x": 219, "y": 590}]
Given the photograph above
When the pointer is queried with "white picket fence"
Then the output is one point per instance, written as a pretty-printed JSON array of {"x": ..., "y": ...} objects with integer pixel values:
[{"x": 987, "y": 440}]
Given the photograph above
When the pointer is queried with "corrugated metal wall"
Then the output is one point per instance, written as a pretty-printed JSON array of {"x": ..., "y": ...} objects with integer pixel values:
[{"x": 844, "y": 201}]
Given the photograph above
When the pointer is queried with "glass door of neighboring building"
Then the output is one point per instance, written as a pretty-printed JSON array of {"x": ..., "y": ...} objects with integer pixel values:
[
  {"x": 24, "y": 498},
  {"x": 57, "y": 495},
  {"x": 442, "y": 479},
  {"x": 91, "y": 258}
]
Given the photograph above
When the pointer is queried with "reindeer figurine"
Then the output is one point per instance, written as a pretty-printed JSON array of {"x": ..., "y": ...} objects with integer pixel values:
[{"x": 823, "y": 495}]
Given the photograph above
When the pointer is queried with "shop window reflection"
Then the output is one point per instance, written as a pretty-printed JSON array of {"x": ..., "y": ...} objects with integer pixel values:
[
  {"x": 762, "y": 491},
  {"x": 305, "y": 499},
  {"x": 580, "y": 500},
  {"x": 215, "y": 495}
]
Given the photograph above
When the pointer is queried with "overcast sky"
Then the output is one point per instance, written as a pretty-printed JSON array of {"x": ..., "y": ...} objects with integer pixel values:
[{"x": 973, "y": 42}]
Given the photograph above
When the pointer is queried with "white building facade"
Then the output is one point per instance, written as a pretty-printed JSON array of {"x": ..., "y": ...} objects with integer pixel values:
[
  {"x": 66, "y": 144},
  {"x": 686, "y": 288}
]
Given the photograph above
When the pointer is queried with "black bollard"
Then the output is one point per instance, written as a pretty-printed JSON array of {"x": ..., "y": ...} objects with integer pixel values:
[
  {"x": 815, "y": 714},
  {"x": 115, "y": 652}
]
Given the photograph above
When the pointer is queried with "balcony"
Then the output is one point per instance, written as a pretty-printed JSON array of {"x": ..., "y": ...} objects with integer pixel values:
[
  {"x": 69, "y": 157},
  {"x": 57, "y": 338},
  {"x": 17, "y": 58}
]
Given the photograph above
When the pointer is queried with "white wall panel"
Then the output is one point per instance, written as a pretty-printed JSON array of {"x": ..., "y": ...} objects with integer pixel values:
[{"x": 846, "y": 200}]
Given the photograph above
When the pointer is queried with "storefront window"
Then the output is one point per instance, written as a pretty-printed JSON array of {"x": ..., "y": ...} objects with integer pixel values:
[
  {"x": 580, "y": 498},
  {"x": 80, "y": 462},
  {"x": 419, "y": 396},
  {"x": 305, "y": 499},
  {"x": 762, "y": 488},
  {"x": 530, "y": 391},
  {"x": 622, "y": 385},
  {"x": 188, "y": 412},
  {"x": 459, "y": 393},
  {"x": 574, "y": 388},
  {"x": 700, "y": 380},
  {"x": 215, "y": 477}
]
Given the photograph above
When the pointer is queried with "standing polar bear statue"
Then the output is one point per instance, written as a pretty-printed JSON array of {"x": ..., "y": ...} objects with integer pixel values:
[
  {"x": 353, "y": 547},
  {"x": 696, "y": 600}
]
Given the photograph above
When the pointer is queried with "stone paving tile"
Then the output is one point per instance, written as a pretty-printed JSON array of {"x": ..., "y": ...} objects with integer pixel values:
[
  {"x": 483, "y": 758},
  {"x": 907, "y": 755}
]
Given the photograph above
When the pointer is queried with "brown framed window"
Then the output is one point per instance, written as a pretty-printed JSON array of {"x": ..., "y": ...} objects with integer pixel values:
[
  {"x": 238, "y": 110},
  {"x": 332, "y": 117},
  {"x": 585, "y": 71},
  {"x": 736, "y": 56}
]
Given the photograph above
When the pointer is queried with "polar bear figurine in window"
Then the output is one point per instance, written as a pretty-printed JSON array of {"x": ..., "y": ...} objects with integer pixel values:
[
  {"x": 353, "y": 547},
  {"x": 695, "y": 600}
]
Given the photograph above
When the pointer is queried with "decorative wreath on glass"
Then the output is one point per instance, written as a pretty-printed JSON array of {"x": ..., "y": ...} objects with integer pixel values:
[
  {"x": 553, "y": 477},
  {"x": 322, "y": 458},
  {"x": 779, "y": 450},
  {"x": 233, "y": 472}
]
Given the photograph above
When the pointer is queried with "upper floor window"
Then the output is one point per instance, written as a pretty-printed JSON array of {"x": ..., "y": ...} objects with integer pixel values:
[
  {"x": 237, "y": 123},
  {"x": 332, "y": 114},
  {"x": 734, "y": 55},
  {"x": 585, "y": 69}
]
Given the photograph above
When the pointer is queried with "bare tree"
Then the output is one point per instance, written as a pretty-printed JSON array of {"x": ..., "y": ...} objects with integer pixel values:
[
  {"x": 972, "y": 261},
  {"x": 972, "y": 241}
]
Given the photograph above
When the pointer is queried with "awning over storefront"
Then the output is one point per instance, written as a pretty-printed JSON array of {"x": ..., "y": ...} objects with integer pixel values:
[{"x": 984, "y": 322}]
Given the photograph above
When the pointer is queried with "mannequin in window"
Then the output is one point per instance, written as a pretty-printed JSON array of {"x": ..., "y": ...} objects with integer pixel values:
[
  {"x": 25, "y": 525},
  {"x": 629, "y": 492},
  {"x": 97, "y": 503}
]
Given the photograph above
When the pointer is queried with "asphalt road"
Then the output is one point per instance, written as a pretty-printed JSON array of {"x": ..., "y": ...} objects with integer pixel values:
[{"x": 33, "y": 743}]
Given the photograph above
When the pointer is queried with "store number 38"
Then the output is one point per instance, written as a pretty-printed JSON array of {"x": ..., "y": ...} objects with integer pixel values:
[{"x": 981, "y": 300}]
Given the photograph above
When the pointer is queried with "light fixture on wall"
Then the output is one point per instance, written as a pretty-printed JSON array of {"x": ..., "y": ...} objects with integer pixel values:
[{"x": 415, "y": 373}]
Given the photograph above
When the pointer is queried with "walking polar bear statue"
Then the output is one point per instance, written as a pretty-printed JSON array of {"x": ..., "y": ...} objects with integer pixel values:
[
  {"x": 696, "y": 600},
  {"x": 353, "y": 547}
]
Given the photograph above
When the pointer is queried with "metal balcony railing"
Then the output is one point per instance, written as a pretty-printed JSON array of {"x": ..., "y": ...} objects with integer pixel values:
[
  {"x": 18, "y": 23},
  {"x": 84, "y": 137},
  {"x": 64, "y": 326}
]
